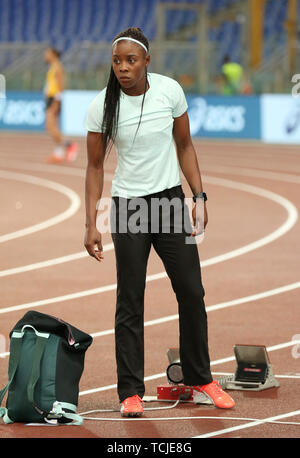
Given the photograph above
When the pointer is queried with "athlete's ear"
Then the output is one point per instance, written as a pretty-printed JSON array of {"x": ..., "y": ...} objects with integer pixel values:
[{"x": 147, "y": 59}]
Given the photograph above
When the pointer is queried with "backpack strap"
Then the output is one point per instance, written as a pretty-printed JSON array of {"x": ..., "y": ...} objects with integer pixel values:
[
  {"x": 59, "y": 412},
  {"x": 58, "y": 407},
  {"x": 41, "y": 341},
  {"x": 15, "y": 351}
]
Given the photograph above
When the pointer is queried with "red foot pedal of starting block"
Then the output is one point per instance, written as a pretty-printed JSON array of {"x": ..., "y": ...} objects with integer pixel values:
[
  {"x": 182, "y": 392},
  {"x": 174, "y": 392}
]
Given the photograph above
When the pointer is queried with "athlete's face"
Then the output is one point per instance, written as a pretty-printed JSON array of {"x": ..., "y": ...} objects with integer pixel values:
[
  {"x": 129, "y": 62},
  {"x": 49, "y": 55}
]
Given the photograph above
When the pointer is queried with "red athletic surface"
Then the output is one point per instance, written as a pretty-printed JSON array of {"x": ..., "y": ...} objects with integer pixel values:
[{"x": 236, "y": 218}]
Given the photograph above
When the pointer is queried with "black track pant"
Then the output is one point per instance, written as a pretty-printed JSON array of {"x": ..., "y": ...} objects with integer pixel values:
[{"x": 181, "y": 261}]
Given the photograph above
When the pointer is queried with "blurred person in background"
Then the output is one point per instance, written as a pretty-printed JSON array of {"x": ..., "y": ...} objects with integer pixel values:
[
  {"x": 55, "y": 83},
  {"x": 232, "y": 77}
]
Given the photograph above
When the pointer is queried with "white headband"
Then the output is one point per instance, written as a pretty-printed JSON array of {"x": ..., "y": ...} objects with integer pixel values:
[{"x": 130, "y": 39}]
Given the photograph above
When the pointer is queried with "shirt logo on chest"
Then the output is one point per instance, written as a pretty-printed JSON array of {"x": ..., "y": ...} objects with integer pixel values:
[{"x": 161, "y": 100}]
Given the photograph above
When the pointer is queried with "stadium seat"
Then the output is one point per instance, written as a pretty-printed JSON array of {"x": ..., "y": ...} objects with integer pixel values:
[{"x": 66, "y": 23}]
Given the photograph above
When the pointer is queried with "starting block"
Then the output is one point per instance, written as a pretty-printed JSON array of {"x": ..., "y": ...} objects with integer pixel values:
[
  {"x": 253, "y": 373},
  {"x": 175, "y": 389}
]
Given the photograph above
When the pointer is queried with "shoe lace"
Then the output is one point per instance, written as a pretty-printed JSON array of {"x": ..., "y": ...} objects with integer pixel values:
[
  {"x": 216, "y": 388},
  {"x": 135, "y": 400}
]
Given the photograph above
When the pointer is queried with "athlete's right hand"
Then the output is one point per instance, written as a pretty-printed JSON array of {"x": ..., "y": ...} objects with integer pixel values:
[{"x": 92, "y": 241}]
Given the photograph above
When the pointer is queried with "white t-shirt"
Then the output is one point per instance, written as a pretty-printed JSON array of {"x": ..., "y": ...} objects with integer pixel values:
[{"x": 149, "y": 163}]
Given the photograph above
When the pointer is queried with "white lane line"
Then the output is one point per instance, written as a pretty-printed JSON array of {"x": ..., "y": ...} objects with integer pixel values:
[
  {"x": 283, "y": 229},
  {"x": 112, "y": 287},
  {"x": 209, "y": 308},
  {"x": 55, "y": 300},
  {"x": 56, "y": 169},
  {"x": 249, "y": 425},
  {"x": 232, "y": 170},
  {"x": 163, "y": 374},
  {"x": 43, "y": 264},
  {"x": 255, "y": 297},
  {"x": 50, "y": 262},
  {"x": 255, "y": 173},
  {"x": 200, "y": 142},
  {"x": 288, "y": 224},
  {"x": 72, "y": 196},
  {"x": 276, "y": 422}
]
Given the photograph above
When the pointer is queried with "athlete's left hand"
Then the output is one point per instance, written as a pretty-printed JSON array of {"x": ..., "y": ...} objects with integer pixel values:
[{"x": 200, "y": 217}]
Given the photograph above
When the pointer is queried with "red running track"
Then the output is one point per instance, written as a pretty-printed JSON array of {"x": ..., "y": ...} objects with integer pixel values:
[{"x": 250, "y": 268}]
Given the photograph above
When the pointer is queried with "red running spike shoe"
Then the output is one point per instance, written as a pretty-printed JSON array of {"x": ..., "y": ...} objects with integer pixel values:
[
  {"x": 215, "y": 394},
  {"x": 72, "y": 152},
  {"x": 132, "y": 407}
]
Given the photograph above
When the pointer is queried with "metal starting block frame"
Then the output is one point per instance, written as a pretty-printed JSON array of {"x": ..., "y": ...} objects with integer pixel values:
[
  {"x": 254, "y": 371},
  {"x": 175, "y": 390}
]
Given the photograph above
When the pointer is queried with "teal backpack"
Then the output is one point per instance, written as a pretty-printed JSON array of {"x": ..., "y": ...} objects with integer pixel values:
[{"x": 45, "y": 366}]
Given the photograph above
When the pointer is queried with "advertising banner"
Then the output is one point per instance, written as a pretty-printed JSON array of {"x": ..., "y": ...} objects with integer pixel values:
[
  {"x": 280, "y": 118},
  {"x": 22, "y": 111},
  {"x": 224, "y": 117},
  {"x": 74, "y": 110},
  {"x": 210, "y": 116}
]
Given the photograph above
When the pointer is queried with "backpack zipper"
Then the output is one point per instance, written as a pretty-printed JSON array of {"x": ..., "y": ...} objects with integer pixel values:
[{"x": 71, "y": 339}]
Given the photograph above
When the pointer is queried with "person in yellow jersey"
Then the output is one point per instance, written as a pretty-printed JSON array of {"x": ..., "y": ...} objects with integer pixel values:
[
  {"x": 232, "y": 74},
  {"x": 55, "y": 83}
]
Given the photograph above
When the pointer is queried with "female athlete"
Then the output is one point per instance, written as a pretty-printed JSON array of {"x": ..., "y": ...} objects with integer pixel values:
[{"x": 145, "y": 116}]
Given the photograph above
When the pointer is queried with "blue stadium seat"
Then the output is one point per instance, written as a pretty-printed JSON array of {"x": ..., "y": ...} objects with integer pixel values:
[
  {"x": 63, "y": 23},
  {"x": 274, "y": 29},
  {"x": 96, "y": 20}
]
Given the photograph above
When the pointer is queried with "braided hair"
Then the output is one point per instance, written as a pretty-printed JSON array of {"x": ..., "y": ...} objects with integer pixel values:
[{"x": 113, "y": 90}]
